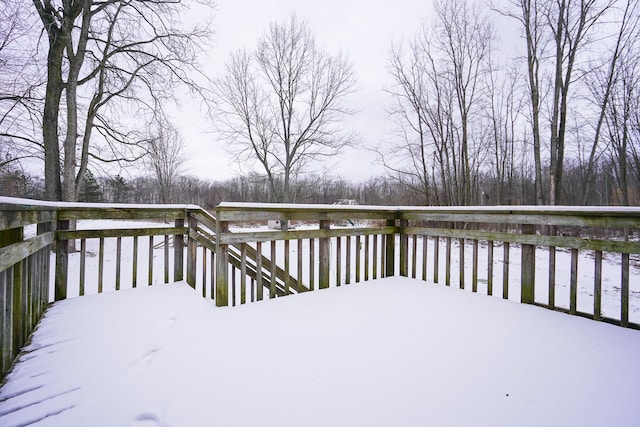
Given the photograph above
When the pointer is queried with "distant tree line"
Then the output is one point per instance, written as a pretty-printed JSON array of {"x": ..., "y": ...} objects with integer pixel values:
[{"x": 383, "y": 190}]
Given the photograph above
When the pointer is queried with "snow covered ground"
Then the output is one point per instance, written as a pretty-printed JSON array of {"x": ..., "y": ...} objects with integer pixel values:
[{"x": 394, "y": 351}]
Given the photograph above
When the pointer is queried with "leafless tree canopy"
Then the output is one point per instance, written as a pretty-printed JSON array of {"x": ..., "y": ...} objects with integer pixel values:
[
  {"x": 20, "y": 81},
  {"x": 166, "y": 158},
  {"x": 280, "y": 105},
  {"x": 438, "y": 95},
  {"x": 472, "y": 128},
  {"x": 107, "y": 62}
]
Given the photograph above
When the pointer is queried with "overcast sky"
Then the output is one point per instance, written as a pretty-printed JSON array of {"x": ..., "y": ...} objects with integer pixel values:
[{"x": 363, "y": 29}]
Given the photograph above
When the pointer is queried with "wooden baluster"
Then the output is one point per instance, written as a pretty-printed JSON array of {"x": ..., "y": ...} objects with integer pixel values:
[
  {"x": 338, "y": 260},
  {"x": 118, "y": 261},
  {"x": 474, "y": 273},
  {"x": 134, "y": 274},
  {"x": 101, "y": 265},
  {"x": 597, "y": 287},
  {"x": 287, "y": 275},
  {"x": 222, "y": 266},
  {"x": 212, "y": 278},
  {"x": 243, "y": 273},
  {"x": 325, "y": 257},
  {"x": 178, "y": 252},
  {"x": 552, "y": 276},
  {"x": 447, "y": 271},
  {"x": 259, "y": 270},
  {"x": 204, "y": 272},
  {"x": 390, "y": 250},
  {"x": 375, "y": 256},
  {"x": 358, "y": 255},
  {"x": 348, "y": 262},
  {"x": 272, "y": 288},
  {"x": 528, "y": 268},
  {"x": 312, "y": 263},
  {"x": 505, "y": 271},
  {"x": 83, "y": 262},
  {"x": 573, "y": 293},
  {"x": 150, "y": 272},
  {"x": 436, "y": 256},
  {"x": 624, "y": 306},
  {"x": 192, "y": 250},
  {"x": 62, "y": 263},
  {"x": 366, "y": 257},
  {"x": 233, "y": 285},
  {"x": 300, "y": 250},
  {"x": 490, "y": 267},
  {"x": 461, "y": 262},
  {"x": 404, "y": 249},
  {"x": 166, "y": 259},
  {"x": 414, "y": 256},
  {"x": 425, "y": 242}
]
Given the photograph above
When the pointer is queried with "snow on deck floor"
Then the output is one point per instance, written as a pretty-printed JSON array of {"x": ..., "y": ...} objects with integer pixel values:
[{"x": 391, "y": 352}]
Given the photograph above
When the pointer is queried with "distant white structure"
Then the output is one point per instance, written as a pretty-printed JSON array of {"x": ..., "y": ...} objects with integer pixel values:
[
  {"x": 346, "y": 202},
  {"x": 275, "y": 224}
]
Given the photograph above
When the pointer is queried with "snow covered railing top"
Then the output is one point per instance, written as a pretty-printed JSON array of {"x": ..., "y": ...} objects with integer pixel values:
[{"x": 596, "y": 216}]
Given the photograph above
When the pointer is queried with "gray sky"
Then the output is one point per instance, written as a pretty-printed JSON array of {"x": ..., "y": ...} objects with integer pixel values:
[{"x": 363, "y": 29}]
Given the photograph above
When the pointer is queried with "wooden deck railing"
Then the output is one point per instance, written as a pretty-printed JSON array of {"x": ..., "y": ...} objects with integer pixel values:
[
  {"x": 534, "y": 246},
  {"x": 493, "y": 250}
]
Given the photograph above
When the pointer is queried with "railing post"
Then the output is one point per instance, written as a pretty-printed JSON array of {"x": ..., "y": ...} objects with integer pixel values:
[
  {"x": 390, "y": 251},
  {"x": 324, "y": 257},
  {"x": 404, "y": 249},
  {"x": 192, "y": 250},
  {"x": 222, "y": 267},
  {"x": 62, "y": 263},
  {"x": 178, "y": 253},
  {"x": 528, "y": 268},
  {"x": 14, "y": 311},
  {"x": 42, "y": 228}
]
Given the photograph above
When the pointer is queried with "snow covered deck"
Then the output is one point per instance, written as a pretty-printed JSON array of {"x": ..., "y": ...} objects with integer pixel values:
[{"x": 354, "y": 355}]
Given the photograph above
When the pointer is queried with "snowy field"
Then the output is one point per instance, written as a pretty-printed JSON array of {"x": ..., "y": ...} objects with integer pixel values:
[{"x": 390, "y": 352}]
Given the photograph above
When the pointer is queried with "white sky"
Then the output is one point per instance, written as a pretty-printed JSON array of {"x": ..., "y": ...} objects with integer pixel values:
[{"x": 362, "y": 29}]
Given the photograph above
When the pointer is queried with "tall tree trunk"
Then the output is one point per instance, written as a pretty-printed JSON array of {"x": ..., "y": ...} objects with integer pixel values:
[
  {"x": 53, "y": 94},
  {"x": 76, "y": 59}
]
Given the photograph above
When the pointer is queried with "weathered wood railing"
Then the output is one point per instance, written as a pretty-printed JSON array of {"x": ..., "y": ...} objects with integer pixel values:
[
  {"x": 233, "y": 262},
  {"x": 35, "y": 268},
  {"x": 540, "y": 250},
  {"x": 369, "y": 246},
  {"x": 162, "y": 244}
]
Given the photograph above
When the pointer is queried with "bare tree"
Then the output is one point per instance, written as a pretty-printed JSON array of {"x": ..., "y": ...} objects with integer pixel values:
[
  {"x": 621, "y": 122},
  {"x": 505, "y": 115},
  {"x": 280, "y": 105},
  {"x": 410, "y": 161},
  {"x": 557, "y": 35},
  {"x": 437, "y": 92},
  {"x": 614, "y": 81},
  {"x": 19, "y": 83},
  {"x": 529, "y": 14},
  {"x": 166, "y": 159},
  {"x": 465, "y": 36},
  {"x": 120, "y": 55}
]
